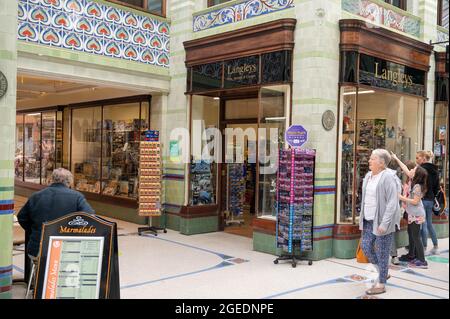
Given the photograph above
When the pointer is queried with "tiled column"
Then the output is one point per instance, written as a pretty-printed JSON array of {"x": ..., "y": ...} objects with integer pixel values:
[
  {"x": 8, "y": 66},
  {"x": 174, "y": 111},
  {"x": 315, "y": 90},
  {"x": 428, "y": 13}
]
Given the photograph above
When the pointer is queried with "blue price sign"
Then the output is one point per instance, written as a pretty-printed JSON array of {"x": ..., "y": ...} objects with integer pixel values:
[{"x": 296, "y": 135}]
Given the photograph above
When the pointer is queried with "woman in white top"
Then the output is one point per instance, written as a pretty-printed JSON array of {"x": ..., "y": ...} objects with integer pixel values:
[{"x": 380, "y": 212}]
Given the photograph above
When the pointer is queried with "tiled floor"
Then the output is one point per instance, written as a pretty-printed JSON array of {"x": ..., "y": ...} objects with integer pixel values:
[{"x": 221, "y": 265}]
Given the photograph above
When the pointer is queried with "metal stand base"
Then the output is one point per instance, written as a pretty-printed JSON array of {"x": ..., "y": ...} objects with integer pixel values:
[
  {"x": 236, "y": 221},
  {"x": 292, "y": 258},
  {"x": 151, "y": 229}
]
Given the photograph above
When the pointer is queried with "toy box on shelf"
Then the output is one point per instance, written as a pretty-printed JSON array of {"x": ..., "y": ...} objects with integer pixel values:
[{"x": 295, "y": 203}]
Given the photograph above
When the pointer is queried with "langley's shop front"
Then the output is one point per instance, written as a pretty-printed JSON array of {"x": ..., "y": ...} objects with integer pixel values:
[
  {"x": 238, "y": 80},
  {"x": 383, "y": 81}
]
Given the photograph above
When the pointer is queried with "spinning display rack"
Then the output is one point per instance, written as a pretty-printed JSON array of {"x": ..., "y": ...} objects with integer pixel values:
[
  {"x": 150, "y": 183},
  {"x": 295, "y": 202}
]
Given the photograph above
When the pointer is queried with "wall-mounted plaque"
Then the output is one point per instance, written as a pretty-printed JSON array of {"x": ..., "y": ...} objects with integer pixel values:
[{"x": 3, "y": 84}]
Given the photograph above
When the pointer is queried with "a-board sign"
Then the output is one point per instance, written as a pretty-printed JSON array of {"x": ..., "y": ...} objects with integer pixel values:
[{"x": 78, "y": 259}]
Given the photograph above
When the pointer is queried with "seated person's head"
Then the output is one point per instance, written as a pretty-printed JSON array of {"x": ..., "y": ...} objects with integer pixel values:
[{"x": 62, "y": 176}]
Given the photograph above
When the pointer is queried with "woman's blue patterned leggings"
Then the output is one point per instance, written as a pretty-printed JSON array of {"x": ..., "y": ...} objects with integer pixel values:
[{"x": 376, "y": 249}]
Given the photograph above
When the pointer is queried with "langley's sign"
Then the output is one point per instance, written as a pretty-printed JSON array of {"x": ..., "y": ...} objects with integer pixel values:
[
  {"x": 243, "y": 71},
  {"x": 384, "y": 74}
]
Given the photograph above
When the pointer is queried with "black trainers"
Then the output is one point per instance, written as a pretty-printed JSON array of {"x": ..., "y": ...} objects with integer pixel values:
[{"x": 406, "y": 258}]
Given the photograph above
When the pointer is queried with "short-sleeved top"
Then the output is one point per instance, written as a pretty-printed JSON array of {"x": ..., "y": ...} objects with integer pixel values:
[{"x": 416, "y": 213}]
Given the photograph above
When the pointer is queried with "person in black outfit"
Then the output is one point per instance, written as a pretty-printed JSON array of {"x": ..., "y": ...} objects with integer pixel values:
[{"x": 51, "y": 203}]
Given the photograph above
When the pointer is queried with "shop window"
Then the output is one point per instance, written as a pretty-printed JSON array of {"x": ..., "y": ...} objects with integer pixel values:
[
  {"x": 397, "y": 3},
  {"x": 373, "y": 119},
  {"x": 153, "y": 6},
  {"x": 38, "y": 146},
  {"x": 274, "y": 106},
  {"x": 105, "y": 147},
  {"x": 18, "y": 160},
  {"x": 443, "y": 13},
  {"x": 48, "y": 146},
  {"x": 203, "y": 166},
  {"x": 216, "y": 2},
  {"x": 86, "y": 148},
  {"x": 32, "y": 150},
  {"x": 120, "y": 158},
  {"x": 441, "y": 141}
]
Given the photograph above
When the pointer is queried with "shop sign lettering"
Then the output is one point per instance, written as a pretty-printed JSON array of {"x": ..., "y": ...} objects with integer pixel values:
[
  {"x": 384, "y": 74},
  {"x": 241, "y": 72}
]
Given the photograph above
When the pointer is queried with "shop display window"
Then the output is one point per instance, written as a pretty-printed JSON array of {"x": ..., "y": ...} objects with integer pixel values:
[
  {"x": 32, "y": 132},
  {"x": 38, "y": 136},
  {"x": 373, "y": 119},
  {"x": 48, "y": 140},
  {"x": 18, "y": 159},
  {"x": 86, "y": 143},
  {"x": 272, "y": 126},
  {"x": 441, "y": 142},
  {"x": 105, "y": 147},
  {"x": 120, "y": 159},
  {"x": 203, "y": 170}
]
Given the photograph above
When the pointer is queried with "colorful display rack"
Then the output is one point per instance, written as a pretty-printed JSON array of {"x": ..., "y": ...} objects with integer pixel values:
[
  {"x": 295, "y": 203},
  {"x": 149, "y": 179}
]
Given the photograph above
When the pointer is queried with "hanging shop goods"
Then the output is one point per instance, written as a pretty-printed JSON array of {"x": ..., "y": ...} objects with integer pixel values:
[
  {"x": 236, "y": 188},
  {"x": 78, "y": 259},
  {"x": 201, "y": 186},
  {"x": 295, "y": 202},
  {"x": 150, "y": 179}
]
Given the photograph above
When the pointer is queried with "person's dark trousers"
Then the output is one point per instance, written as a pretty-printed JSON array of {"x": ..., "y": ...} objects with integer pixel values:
[
  {"x": 415, "y": 241},
  {"x": 411, "y": 250},
  {"x": 376, "y": 249}
]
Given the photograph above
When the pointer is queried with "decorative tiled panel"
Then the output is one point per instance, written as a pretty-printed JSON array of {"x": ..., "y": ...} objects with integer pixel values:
[
  {"x": 239, "y": 12},
  {"x": 382, "y": 15},
  {"x": 96, "y": 28}
]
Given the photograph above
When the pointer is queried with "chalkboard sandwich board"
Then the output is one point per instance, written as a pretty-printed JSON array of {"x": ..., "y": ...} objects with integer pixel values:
[{"x": 78, "y": 259}]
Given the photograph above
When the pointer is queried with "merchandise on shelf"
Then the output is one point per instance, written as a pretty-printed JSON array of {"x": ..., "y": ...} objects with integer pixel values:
[
  {"x": 150, "y": 179},
  {"x": 202, "y": 189},
  {"x": 236, "y": 188},
  {"x": 295, "y": 199}
]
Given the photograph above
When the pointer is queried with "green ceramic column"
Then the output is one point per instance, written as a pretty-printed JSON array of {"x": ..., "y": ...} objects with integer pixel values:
[{"x": 8, "y": 67}]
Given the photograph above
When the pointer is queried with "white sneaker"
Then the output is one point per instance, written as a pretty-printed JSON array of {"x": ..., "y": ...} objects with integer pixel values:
[
  {"x": 395, "y": 261},
  {"x": 434, "y": 251}
]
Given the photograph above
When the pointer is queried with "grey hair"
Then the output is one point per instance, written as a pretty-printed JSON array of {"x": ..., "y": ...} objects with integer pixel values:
[
  {"x": 383, "y": 156},
  {"x": 62, "y": 176}
]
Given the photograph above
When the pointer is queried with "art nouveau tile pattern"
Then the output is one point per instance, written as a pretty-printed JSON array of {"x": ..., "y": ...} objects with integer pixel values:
[
  {"x": 383, "y": 15},
  {"x": 96, "y": 28},
  {"x": 239, "y": 12}
]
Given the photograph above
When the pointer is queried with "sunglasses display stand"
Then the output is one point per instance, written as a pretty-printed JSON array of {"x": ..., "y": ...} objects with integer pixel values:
[
  {"x": 295, "y": 204},
  {"x": 235, "y": 193}
]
